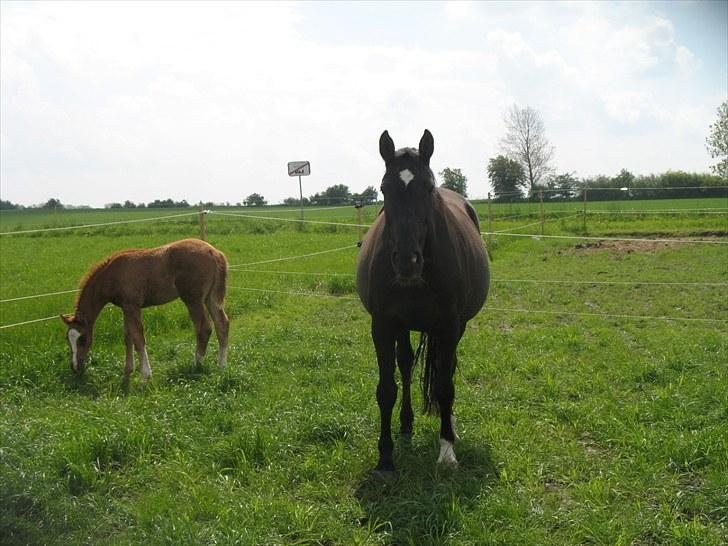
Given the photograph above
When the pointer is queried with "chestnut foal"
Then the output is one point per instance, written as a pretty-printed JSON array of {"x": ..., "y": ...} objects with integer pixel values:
[{"x": 190, "y": 269}]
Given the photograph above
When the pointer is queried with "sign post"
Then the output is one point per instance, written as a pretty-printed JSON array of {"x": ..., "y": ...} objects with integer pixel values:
[{"x": 299, "y": 169}]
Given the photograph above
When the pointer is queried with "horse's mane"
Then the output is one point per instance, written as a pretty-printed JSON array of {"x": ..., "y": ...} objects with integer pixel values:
[
  {"x": 412, "y": 152},
  {"x": 91, "y": 273}
]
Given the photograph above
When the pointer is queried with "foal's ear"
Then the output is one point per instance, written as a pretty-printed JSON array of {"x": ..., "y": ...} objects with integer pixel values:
[
  {"x": 67, "y": 319},
  {"x": 386, "y": 147},
  {"x": 427, "y": 146}
]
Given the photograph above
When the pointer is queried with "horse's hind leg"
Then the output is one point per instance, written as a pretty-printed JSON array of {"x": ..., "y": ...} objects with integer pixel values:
[
  {"x": 405, "y": 362},
  {"x": 222, "y": 327},
  {"x": 445, "y": 394},
  {"x": 202, "y": 328}
]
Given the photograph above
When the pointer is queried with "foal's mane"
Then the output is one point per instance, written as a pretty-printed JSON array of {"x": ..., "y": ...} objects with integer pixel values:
[{"x": 96, "y": 268}]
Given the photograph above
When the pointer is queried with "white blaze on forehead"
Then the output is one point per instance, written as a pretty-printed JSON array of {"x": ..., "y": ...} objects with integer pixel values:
[
  {"x": 73, "y": 336},
  {"x": 406, "y": 176}
]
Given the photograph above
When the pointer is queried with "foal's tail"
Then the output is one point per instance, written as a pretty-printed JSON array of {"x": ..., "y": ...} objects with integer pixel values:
[
  {"x": 219, "y": 282},
  {"x": 427, "y": 349}
]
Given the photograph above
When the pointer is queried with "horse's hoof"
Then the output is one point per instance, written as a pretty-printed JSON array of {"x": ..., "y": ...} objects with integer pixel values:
[
  {"x": 386, "y": 476},
  {"x": 447, "y": 465},
  {"x": 447, "y": 457}
]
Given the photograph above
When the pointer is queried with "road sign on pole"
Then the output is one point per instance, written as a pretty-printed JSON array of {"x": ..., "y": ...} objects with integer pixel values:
[{"x": 299, "y": 169}]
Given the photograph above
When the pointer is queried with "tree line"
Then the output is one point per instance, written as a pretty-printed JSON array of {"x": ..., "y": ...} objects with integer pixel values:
[{"x": 338, "y": 194}]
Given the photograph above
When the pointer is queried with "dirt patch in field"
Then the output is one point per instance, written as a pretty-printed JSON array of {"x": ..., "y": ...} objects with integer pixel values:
[
  {"x": 621, "y": 246},
  {"x": 632, "y": 246}
]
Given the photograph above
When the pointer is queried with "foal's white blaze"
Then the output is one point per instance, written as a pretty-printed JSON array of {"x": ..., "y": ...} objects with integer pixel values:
[
  {"x": 73, "y": 336},
  {"x": 406, "y": 176},
  {"x": 447, "y": 454},
  {"x": 146, "y": 371}
]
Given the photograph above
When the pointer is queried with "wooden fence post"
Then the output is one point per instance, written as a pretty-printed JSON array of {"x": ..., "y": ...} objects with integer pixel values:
[
  {"x": 202, "y": 223},
  {"x": 490, "y": 221},
  {"x": 585, "y": 191},
  {"x": 540, "y": 198},
  {"x": 358, "y": 206}
]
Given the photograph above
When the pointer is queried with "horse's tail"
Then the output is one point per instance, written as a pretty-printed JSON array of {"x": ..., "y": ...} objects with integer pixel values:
[
  {"x": 428, "y": 349},
  {"x": 219, "y": 283}
]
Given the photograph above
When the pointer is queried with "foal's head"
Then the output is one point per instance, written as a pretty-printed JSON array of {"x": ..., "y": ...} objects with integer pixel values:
[
  {"x": 79, "y": 337},
  {"x": 407, "y": 186}
]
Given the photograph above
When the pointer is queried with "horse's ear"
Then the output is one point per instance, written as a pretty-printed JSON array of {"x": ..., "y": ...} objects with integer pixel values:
[
  {"x": 427, "y": 146},
  {"x": 67, "y": 319},
  {"x": 386, "y": 147}
]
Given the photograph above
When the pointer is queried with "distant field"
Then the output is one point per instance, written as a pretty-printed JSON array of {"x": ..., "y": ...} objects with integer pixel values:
[
  {"x": 581, "y": 422},
  {"x": 15, "y": 220}
]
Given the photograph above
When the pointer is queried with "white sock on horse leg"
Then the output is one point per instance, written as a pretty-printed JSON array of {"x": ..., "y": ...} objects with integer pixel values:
[{"x": 145, "y": 369}]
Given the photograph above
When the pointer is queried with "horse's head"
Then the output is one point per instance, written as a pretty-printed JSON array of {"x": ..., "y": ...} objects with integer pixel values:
[
  {"x": 79, "y": 336},
  {"x": 407, "y": 186}
]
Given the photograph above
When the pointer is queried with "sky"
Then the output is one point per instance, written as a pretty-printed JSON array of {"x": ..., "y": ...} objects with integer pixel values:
[{"x": 103, "y": 102}]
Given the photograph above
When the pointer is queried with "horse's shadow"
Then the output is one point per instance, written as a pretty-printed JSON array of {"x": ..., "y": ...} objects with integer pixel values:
[
  {"x": 424, "y": 503},
  {"x": 78, "y": 384}
]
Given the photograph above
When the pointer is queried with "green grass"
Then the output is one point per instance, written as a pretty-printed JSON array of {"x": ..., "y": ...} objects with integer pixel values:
[{"x": 575, "y": 429}]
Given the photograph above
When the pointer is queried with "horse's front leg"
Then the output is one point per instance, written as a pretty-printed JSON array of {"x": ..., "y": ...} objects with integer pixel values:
[
  {"x": 405, "y": 362},
  {"x": 133, "y": 325},
  {"x": 384, "y": 338},
  {"x": 129, "y": 342}
]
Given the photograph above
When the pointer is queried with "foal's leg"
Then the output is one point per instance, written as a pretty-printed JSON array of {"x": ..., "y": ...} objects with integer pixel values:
[
  {"x": 405, "y": 361},
  {"x": 222, "y": 327},
  {"x": 202, "y": 328},
  {"x": 384, "y": 338},
  {"x": 134, "y": 328},
  {"x": 129, "y": 342}
]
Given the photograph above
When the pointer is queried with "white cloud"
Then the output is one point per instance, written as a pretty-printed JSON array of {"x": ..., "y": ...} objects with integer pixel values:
[{"x": 111, "y": 101}]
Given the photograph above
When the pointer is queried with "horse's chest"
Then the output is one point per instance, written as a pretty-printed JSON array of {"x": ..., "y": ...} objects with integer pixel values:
[{"x": 416, "y": 311}]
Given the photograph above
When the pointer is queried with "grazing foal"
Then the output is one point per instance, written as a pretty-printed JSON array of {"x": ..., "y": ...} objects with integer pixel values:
[
  {"x": 422, "y": 267},
  {"x": 191, "y": 270}
]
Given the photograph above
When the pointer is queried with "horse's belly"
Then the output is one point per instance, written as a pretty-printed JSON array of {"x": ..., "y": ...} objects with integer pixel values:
[{"x": 160, "y": 296}]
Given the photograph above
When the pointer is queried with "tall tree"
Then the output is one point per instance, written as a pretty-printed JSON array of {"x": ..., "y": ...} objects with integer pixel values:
[
  {"x": 507, "y": 178},
  {"x": 338, "y": 194},
  {"x": 254, "y": 200},
  {"x": 455, "y": 180},
  {"x": 717, "y": 142},
  {"x": 526, "y": 143},
  {"x": 53, "y": 203},
  {"x": 369, "y": 195},
  {"x": 561, "y": 186}
]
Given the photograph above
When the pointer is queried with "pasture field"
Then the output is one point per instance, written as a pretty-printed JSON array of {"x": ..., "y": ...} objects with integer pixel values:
[{"x": 580, "y": 422}]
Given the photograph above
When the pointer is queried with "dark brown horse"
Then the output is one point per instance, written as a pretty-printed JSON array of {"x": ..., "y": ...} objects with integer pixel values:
[
  {"x": 191, "y": 270},
  {"x": 422, "y": 267}
]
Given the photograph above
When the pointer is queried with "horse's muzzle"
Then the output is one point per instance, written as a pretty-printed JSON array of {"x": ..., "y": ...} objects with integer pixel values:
[{"x": 407, "y": 267}]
